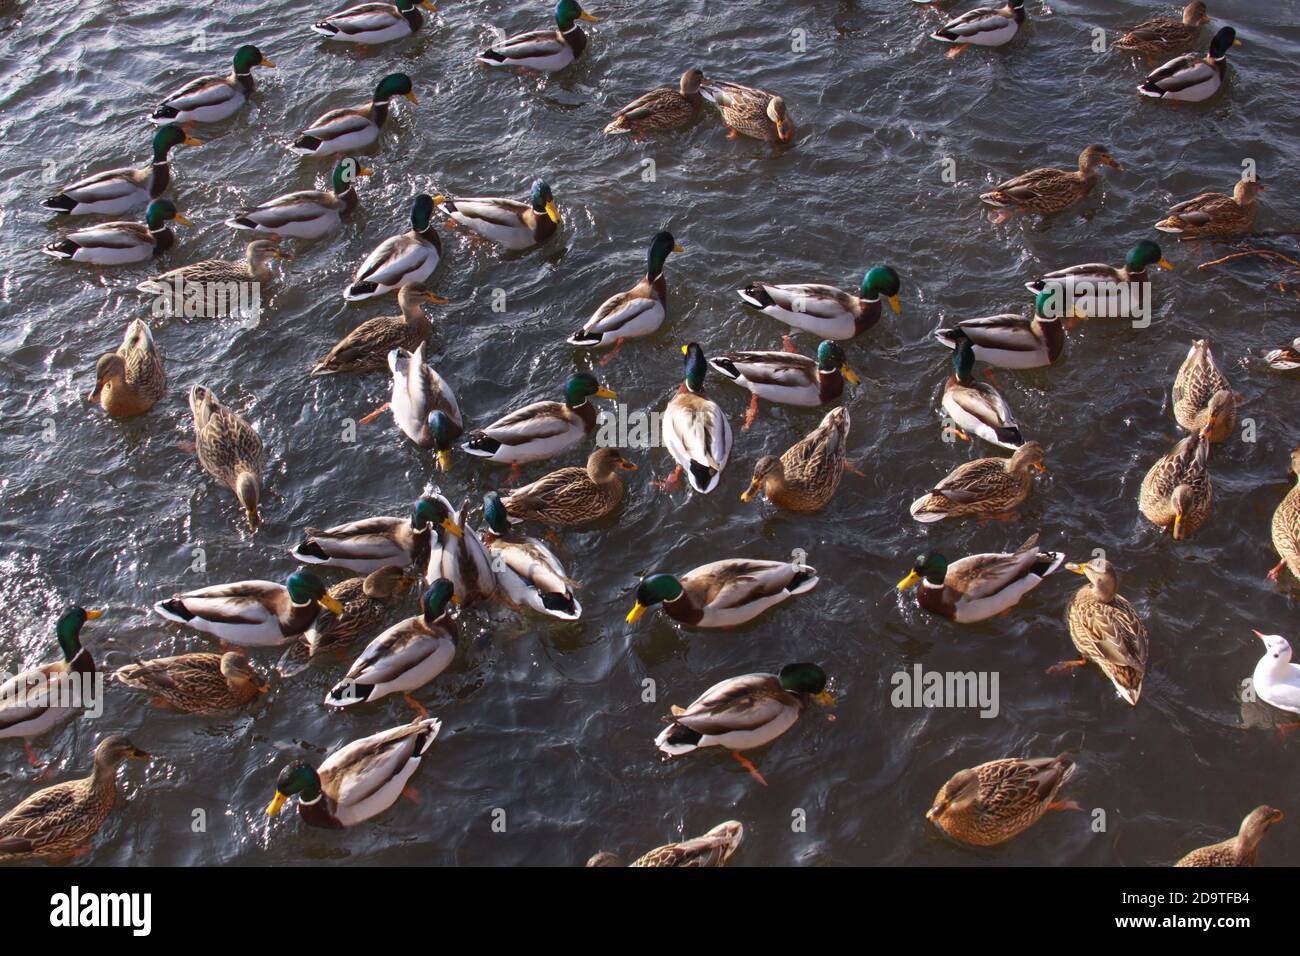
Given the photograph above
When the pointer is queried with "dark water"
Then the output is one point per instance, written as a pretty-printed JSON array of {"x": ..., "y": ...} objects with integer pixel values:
[{"x": 546, "y": 721}]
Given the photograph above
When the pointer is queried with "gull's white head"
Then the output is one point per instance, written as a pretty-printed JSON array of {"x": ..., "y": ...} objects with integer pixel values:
[{"x": 1276, "y": 646}]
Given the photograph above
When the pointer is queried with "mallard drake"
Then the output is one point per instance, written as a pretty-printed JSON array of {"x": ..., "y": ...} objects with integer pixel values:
[
  {"x": 210, "y": 99},
  {"x": 1164, "y": 36},
  {"x": 1192, "y": 77},
  {"x": 787, "y": 377},
  {"x": 664, "y": 107},
  {"x": 255, "y": 268},
  {"x": 989, "y": 487},
  {"x": 371, "y": 544},
  {"x": 117, "y": 190},
  {"x": 1284, "y": 359},
  {"x": 542, "y": 429},
  {"x": 1286, "y": 524},
  {"x": 367, "y": 347},
  {"x": 527, "y": 571},
  {"x": 824, "y": 310},
  {"x": 373, "y": 23},
  {"x": 229, "y": 450},
  {"x": 976, "y": 407},
  {"x": 1107, "y": 630},
  {"x": 203, "y": 684},
  {"x": 724, "y": 593},
  {"x": 423, "y": 404},
  {"x": 507, "y": 222},
  {"x": 983, "y": 26},
  {"x": 252, "y": 613},
  {"x": 406, "y": 656},
  {"x": 991, "y": 803},
  {"x": 635, "y": 313},
  {"x": 750, "y": 112},
  {"x": 1242, "y": 849},
  {"x": 1203, "y": 400},
  {"x": 715, "y": 848},
  {"x": 1010, "y": 340},
  {"x": 544, "y": 50},
  {"x": 1098, "y": 281},
  {"x": 979, "y": 586},
  {"x": 358, "y": 781},
  {"x": 309, "y": 213},
  {"x": 1048, "y": 190},
  {"x": 61, "y": 820},
  {"x": 401, "y": 260},
  {"x": 572, "y": 496},
  {"x": 1177, "y": 491},
  {"x": 1214, "y": 214},
  {"x": 116, "y": 243},
  {"x": 130, "y": 380},
  {"x": 805, "y": 477},
  {"x": 695, "y": 429},
  {"x": 353, "y": 128},
  {"x": 365, "y": 603},
  {"x": 1276, "y": 680},
  {"x": 459, "y": 556}
]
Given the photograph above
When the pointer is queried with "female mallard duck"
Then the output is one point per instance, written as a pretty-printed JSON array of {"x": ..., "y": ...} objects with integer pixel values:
[
  {"x": 1240, "y": 850},
  {"x": 255, "y": 268},
  {"x": 229, "y": 450},
  {"x": 1165, "y": 36},
  {"x": 983, "y": 26},
  {"x": 527, "y": 570},
  {"x": 406, "y": 656},
  {"x": 695, "y": 429},
  {"x": 373, "y": 23},
  {"x": 977, "y": 407},
  {"x": 308, "y": 213},
  {"x": 367, "y": 347},
  {"x": 116, "y": 243},
  {"x": 423, "y": 405},
  {"x": 988, "y": 487},
  {"x": 787, "y": 377},
  {"x": 401, "y": 260},
  {"x": 1107, "y": 630},
  {"x": 1284, "y": 359},
  {"x": 979, "y": 586},
  {"x": 1177, "y": 491},
  {"x": 210, "y": 99},
  {"x": 572, "y": 496},
  {"x": 715, "y": 848},
  {"x": 544, "y": 50},
  {"x": 131, "y": 380},
  {"x": 635, "y": 313},
  {"x": 459, "y": 556},
  {"x": 252, "y": 613},
  {"x": 664, "y": 107},
  {"x": 1286, "y": 524},
  {"x": 542, "y": 429},
  {"x": 507, "y": 222},
  {"x": 358, "y": 781},
  {"x": 1214, "y": 214},
  {"x": 365, "y": 603},
  {"x": 724, "y": 593},
  {"x": 117, "y": 190},
  {"x": 1048, "y": 190},
  {"x": 1096, "y": 279},
  {"x": 805, "y": 478},
  {"x": 991, "y": 803},
  {"x": 824, "y": 310},
  {"x": 61, "y": 820},
  {"x": 1203, "y": 400},
  {"x": 204, "y": 684},
  {"x": 1192, "y": 77},
  {"x": 372, "y": 544},
  {"x": 750, "y": 112},
  {"x": 352, "y": 128},
  {"x": 1010, "y": 340}
]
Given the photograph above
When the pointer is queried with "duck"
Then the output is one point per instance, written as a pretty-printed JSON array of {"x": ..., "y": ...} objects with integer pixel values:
[
  {"x": 371, "y": 544},
  {"x": 1192, "y": 77},
  {"x": 1215, "y": 214},
  {"x": 1176, "y": 493},
  {"x": 406, "y": 656},
  {"x": 402, "y": 260},
  {"x": 977, "y": 408},
  {"x": 695, "y": 429},
  {"x": 371, "y": 24},
  {"x": 1107, "y": 631},
  {"x": 1284, "y": 359},
  {"x": 60, "y": 821},
  {"x": 353, "y": 128},
  {"x": 1286, "y": 524},
  {"x": 1242, "y": 849},
  {"x": 460, "y": 557},
  {"x": 1098, "y": 281},
  {"x": 991, "y": 803},
  {"x": 117, "y": 243},
  {"x": 1202, "y": 398},
  {"x": 252, "y": 613},
  {"x": 571, "y": 497},
  {"x": 988, "y": 487},
  {"x": 1047, "y": 190},
  {"x": 229, "y": 450},
  {"x": 750, "y": 112},
  {"x": 979, "y": 586},
  {"x": 805, "y": 477},
  {"x": 543, "y": 429},
  {"x": 664, "y": 107},
  {"x": 724, "y": 593},
  {"x": 204, "y": 684},
  {"x": 507, "y": 222},
  {"x": 544, "y": 51},
  {"x": 365, "y": 601},
  {"x": 423, "y": 405},
  {"x": 130, "y": 380},
  {"x": 823, "y": 310},
  {"x": 1276, "y": 680},
  {"x": 788, "y": 377},
  {"x": 1009, "y": 340},
  {"x": 528, "y": 573},
  {"x": 308, "y": 213},
  {"x": 367, "y": 347},
  {"x": 714, "y": 848},
  {"x": 1163, "y": 36},
  {"x": 358, "y": 781},
  {"x": 256, "y": 268},
  {"x": 983, "y": 26},
  {"x": 117, "y": 190},
  {"x": 211, "y": 99},
  {"x": 636, "y": 313}
]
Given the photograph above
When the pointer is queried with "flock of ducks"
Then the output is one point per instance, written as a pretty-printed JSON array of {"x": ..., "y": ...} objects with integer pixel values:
[{"x": 435, "y": 548}]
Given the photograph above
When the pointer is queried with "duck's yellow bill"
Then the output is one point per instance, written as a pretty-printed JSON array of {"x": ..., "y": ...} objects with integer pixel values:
[
  {"x": 910, "y": 581},
  {"x": 894, "y": 304},
  {"x": 748, "y": 494},
  {"x": 183, "y": 221},
  {"x": 449, "y": 526},
  {"x": 191, "y": 141},
  {"x": 365, "y": 171},
  {"x": 332, "y": 603},
  {"x": 678, "y": 248},
  {"x": 1236, "y": 42},
  {"x": 1040, "y": 467},
  {"x": 1075, "y": 567},
  {"x": 435, "y": 298},
  {"x": 412, "y": 97},
  {"x": 604, "y": 392},
  {"x": 276, "y": 804},
  {"x": 850, "y": 376},
  {"x": 825, "y": 699},
  {"x": 552, "y": 211},
  {"x": 428, "y": 6},
  {"x": 634, "y": 615},
  {"x": 1165, "y": 263},
  {"x": 584, "y": 15},
  {"x": 91, "y": 615},
  {"x": 444, "y": 461},
  {"x": 1178, "y": 527},
  {"x": 267, "y": 63}
]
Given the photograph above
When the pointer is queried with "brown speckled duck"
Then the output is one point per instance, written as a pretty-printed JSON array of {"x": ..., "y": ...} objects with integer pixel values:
[
  {"x": 805, "y": 477},
  {"x": 131, "y": 380},
  {"x": 1215, "y": 214},
  {"x": 1107, "y": 630},
  {"x": 1176, "y": 493},
  {"x": 1241, "y": 850},
  {"x": 750, "y": 112},
  {"x": 1166, "y": 36},
  {"x": 1286, "y": 524},
  {"x": 714, "y": 848},
  {"x": 1046, "y": 190},
  {"x": 986, "y": 487},
  {"x": 229, "y": 450},
  {"x": 1203, "y": 400},
  {"x": 664, "y": 107},
  {"x": 991, "y": 803},
  {"x": 204, "y": 684}
]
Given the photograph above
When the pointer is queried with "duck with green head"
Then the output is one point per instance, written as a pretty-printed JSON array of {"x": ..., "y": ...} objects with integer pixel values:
[
  {"x": 543, "y": 429},
  {"x": 308, "y": 213},
  {"x": 353, "y": 128},
  {"x": 724, "y": 593},
  {"x": 633, "y": 314},
  {"x": 400, "y": 260},
  {"x": 543, "y": 50},
  {"x": 369, "y": 544},
  {"x": 252, "y": 613},
  {"x": 116, "y": 243},
  {"x": 507, "y": 222},
  {"x": 979, "y": 586},
  {"x": 1192, "y": 77},
  {"x": 528, "y": 573},
  {"x": 1011, "y": 340},
  {"x": 423, "y": 404},
  {"x": 461, "y": 558},
  {"x": 211, "y": 99},
  {"x": 117, "y": 190},
  {"x": 824, "y": 310},
  {"x": 695, "y": 429},
  {"x": 370, "y": 24},
  {"x": 787, "y": 377},
  {"x": 977, "y": 408},
  {"x": 1118, "y": 291}
]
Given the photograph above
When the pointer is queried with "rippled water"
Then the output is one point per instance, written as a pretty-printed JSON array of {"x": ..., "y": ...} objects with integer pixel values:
[{"x": 546, "y": 721}]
